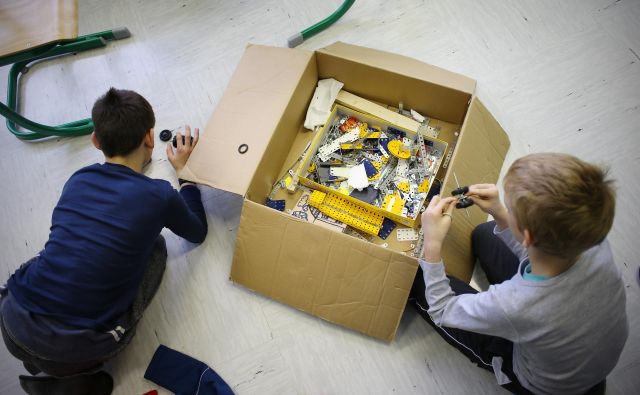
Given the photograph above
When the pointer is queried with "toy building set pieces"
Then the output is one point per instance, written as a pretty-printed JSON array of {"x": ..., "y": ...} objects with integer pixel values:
[
  {"x": 306, "y": 212},
  {"x": 360, "y": 174},
  {"x": 355, "y": 152},
  {"x": 347, "y": 212},
  {"x": 407, "y": 234},
  {"x": 364, "y": 174}
]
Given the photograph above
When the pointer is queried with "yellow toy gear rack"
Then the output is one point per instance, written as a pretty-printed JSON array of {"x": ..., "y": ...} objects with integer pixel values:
[{"x": 352, "y": 214}]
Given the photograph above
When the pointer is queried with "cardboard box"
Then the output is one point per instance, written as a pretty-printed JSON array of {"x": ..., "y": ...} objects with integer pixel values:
[{"x": 331, "y": 275}]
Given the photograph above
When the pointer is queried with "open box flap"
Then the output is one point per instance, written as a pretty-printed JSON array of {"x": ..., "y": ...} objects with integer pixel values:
[
  {"x": 26, "y": 25},
  {"x": 248, "y": 113},
  {"x": 478, "y": 158},
  {"x": 403, "y": 65},
  {"x": 323, "y": 272}
]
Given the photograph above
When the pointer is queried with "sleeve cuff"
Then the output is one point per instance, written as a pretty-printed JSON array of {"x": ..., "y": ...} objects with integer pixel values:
[
  {"x": 499, "y": 232},
  {"x": 428, "y": 266}
]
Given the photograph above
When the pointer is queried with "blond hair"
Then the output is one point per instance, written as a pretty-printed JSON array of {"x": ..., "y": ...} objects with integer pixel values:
[{"x": 567, "y": 204}]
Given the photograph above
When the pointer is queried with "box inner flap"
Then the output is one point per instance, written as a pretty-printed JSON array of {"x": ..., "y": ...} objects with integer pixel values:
[
  {"x": 428, "y": 89},
  {"x": 477, "y": 159},
  {"x": 248, "y": 113}
]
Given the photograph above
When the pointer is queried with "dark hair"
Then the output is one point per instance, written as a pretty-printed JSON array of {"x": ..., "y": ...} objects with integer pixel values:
[{"x": 121, "y": 118}]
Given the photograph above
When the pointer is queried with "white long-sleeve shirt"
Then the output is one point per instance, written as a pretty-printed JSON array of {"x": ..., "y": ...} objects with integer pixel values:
[{"x": 567, "y": 331}]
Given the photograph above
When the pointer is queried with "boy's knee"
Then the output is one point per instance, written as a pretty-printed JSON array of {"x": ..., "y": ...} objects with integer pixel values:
[
  {"x": 160, "y": 246},
  {"x": 482, "y": 231}
]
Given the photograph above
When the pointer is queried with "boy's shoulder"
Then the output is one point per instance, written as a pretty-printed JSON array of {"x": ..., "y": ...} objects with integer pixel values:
[{"x": 105, "y": 174}]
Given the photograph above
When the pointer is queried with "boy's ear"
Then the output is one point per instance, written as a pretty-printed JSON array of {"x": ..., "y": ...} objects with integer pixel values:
[
  {"x": 527, "y": 239},
  {"x": 149, "y": 140},
  {"x": 95, "y": 141}
]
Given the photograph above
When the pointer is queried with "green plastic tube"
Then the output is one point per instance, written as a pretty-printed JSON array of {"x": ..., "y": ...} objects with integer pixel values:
[{"x": 298, "y": 38}]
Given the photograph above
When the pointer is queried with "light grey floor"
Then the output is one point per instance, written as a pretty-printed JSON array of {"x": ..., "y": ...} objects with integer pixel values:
[{"x": 558, "y": 75}]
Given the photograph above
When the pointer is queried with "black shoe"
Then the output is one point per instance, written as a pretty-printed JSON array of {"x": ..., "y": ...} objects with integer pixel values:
[
  {"x": 31, "y": 368},
  {"x": 99, "y": 383}
]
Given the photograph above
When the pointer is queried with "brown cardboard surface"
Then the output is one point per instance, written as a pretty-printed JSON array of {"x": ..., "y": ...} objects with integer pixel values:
[
  {"x": 25, "y": 25},
  {"x": 430, "y": 90},
  {"x": 328, "y": 274},
  {"x": 252, "y": 107},
  {"x": 478, "y": 157},
  {"x": 335, "y": 276}
]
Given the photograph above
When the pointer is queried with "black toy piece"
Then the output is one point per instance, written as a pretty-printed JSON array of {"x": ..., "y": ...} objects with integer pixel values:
[
  {"x": 175, "y": 141},
  {"x": 463, "y": 200},
  {"x": 460, "y": 191},
  {"x": 165, "y": 135}
]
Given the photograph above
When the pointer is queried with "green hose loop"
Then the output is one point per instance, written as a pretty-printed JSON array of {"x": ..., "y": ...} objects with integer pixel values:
[
  {"x": 298, "y": 38},
  {"x": 328, "y": 21}
]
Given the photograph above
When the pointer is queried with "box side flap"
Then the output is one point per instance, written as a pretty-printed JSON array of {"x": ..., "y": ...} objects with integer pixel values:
[
  {"x": 478, "y": 158},
  {"x": 248, "y": 113},
  {"x": 284, "y": 138},
  {"x": 328, "y": 274},
  {"x": 391, "y": 78},
  {"x": 402, "y": 65}
]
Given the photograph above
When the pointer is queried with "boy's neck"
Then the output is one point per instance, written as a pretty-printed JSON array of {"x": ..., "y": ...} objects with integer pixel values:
[
  {"x": 548, "y": 265},
  {"x": 135, "y": 160}
]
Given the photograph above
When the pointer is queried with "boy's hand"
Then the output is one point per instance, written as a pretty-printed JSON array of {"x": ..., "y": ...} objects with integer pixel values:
[
  {"x": 487, "y": 197},
  {"x": 183, "y": 150},
  {"x": 436, "y": 221}
]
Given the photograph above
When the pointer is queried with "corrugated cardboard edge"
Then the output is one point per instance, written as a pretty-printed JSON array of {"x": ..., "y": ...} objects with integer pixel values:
[
  {"x": 479, "y": 155},
  {"x": 303, "y": 265},
  {"x": 404, "y": 65}
]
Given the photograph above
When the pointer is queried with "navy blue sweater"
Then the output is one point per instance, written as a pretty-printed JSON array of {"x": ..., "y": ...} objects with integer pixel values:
[{"x": 102, "y": 232}]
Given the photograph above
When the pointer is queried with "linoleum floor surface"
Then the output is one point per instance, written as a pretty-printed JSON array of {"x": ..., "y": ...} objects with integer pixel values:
[{"x": 558, "y": 76}]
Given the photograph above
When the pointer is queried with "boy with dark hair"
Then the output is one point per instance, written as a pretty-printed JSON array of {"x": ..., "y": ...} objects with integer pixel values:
[
  {"x": 553, "y": 320},
  {"x": 77, "y": 303}
]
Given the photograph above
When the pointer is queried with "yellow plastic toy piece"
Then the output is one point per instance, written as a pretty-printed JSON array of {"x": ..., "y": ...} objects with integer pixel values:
[
  {"x": 393, "y": 203},
  {"x": 287, "y": 181},
  {"x": 350, "y": 213},
  {"x": 424, "y": 187},
  {"x": 317, "y": 198},
  {"x": 312, "y": 168},
  {"x": 351, "y": 146},
  {"x": 373, "y": 135},
  {"x": 403, "y": 186},
  {"x": 363, "y": 126},
  {"x": 397, "y": 149}
]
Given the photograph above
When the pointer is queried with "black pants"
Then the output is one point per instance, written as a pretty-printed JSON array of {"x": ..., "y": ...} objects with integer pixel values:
[
  {"x": 499, "y": 264},
  {"x": 151, "y": 280}
]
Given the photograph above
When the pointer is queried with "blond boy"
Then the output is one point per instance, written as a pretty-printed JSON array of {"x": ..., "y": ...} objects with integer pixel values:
[{"x": 553, "y": 320}]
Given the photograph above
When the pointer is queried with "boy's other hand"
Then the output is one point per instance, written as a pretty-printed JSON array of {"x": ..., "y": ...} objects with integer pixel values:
[
  {"x": 436, "y": 221},
  {"x": 183, "y": 149},
  {"x": 487, "y": 197}
]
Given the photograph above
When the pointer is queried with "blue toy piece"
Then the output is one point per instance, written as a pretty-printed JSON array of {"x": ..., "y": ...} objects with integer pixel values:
[
  {"x": 276, "y": 204},
  {"x": 369, "y": 168},
  {"x": 387, "y": 227},
  {"x": 396, "y": 132}
]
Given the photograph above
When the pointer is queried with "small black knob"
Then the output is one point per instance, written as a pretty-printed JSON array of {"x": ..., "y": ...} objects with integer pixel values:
[{"x": 165, "y": 135}]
